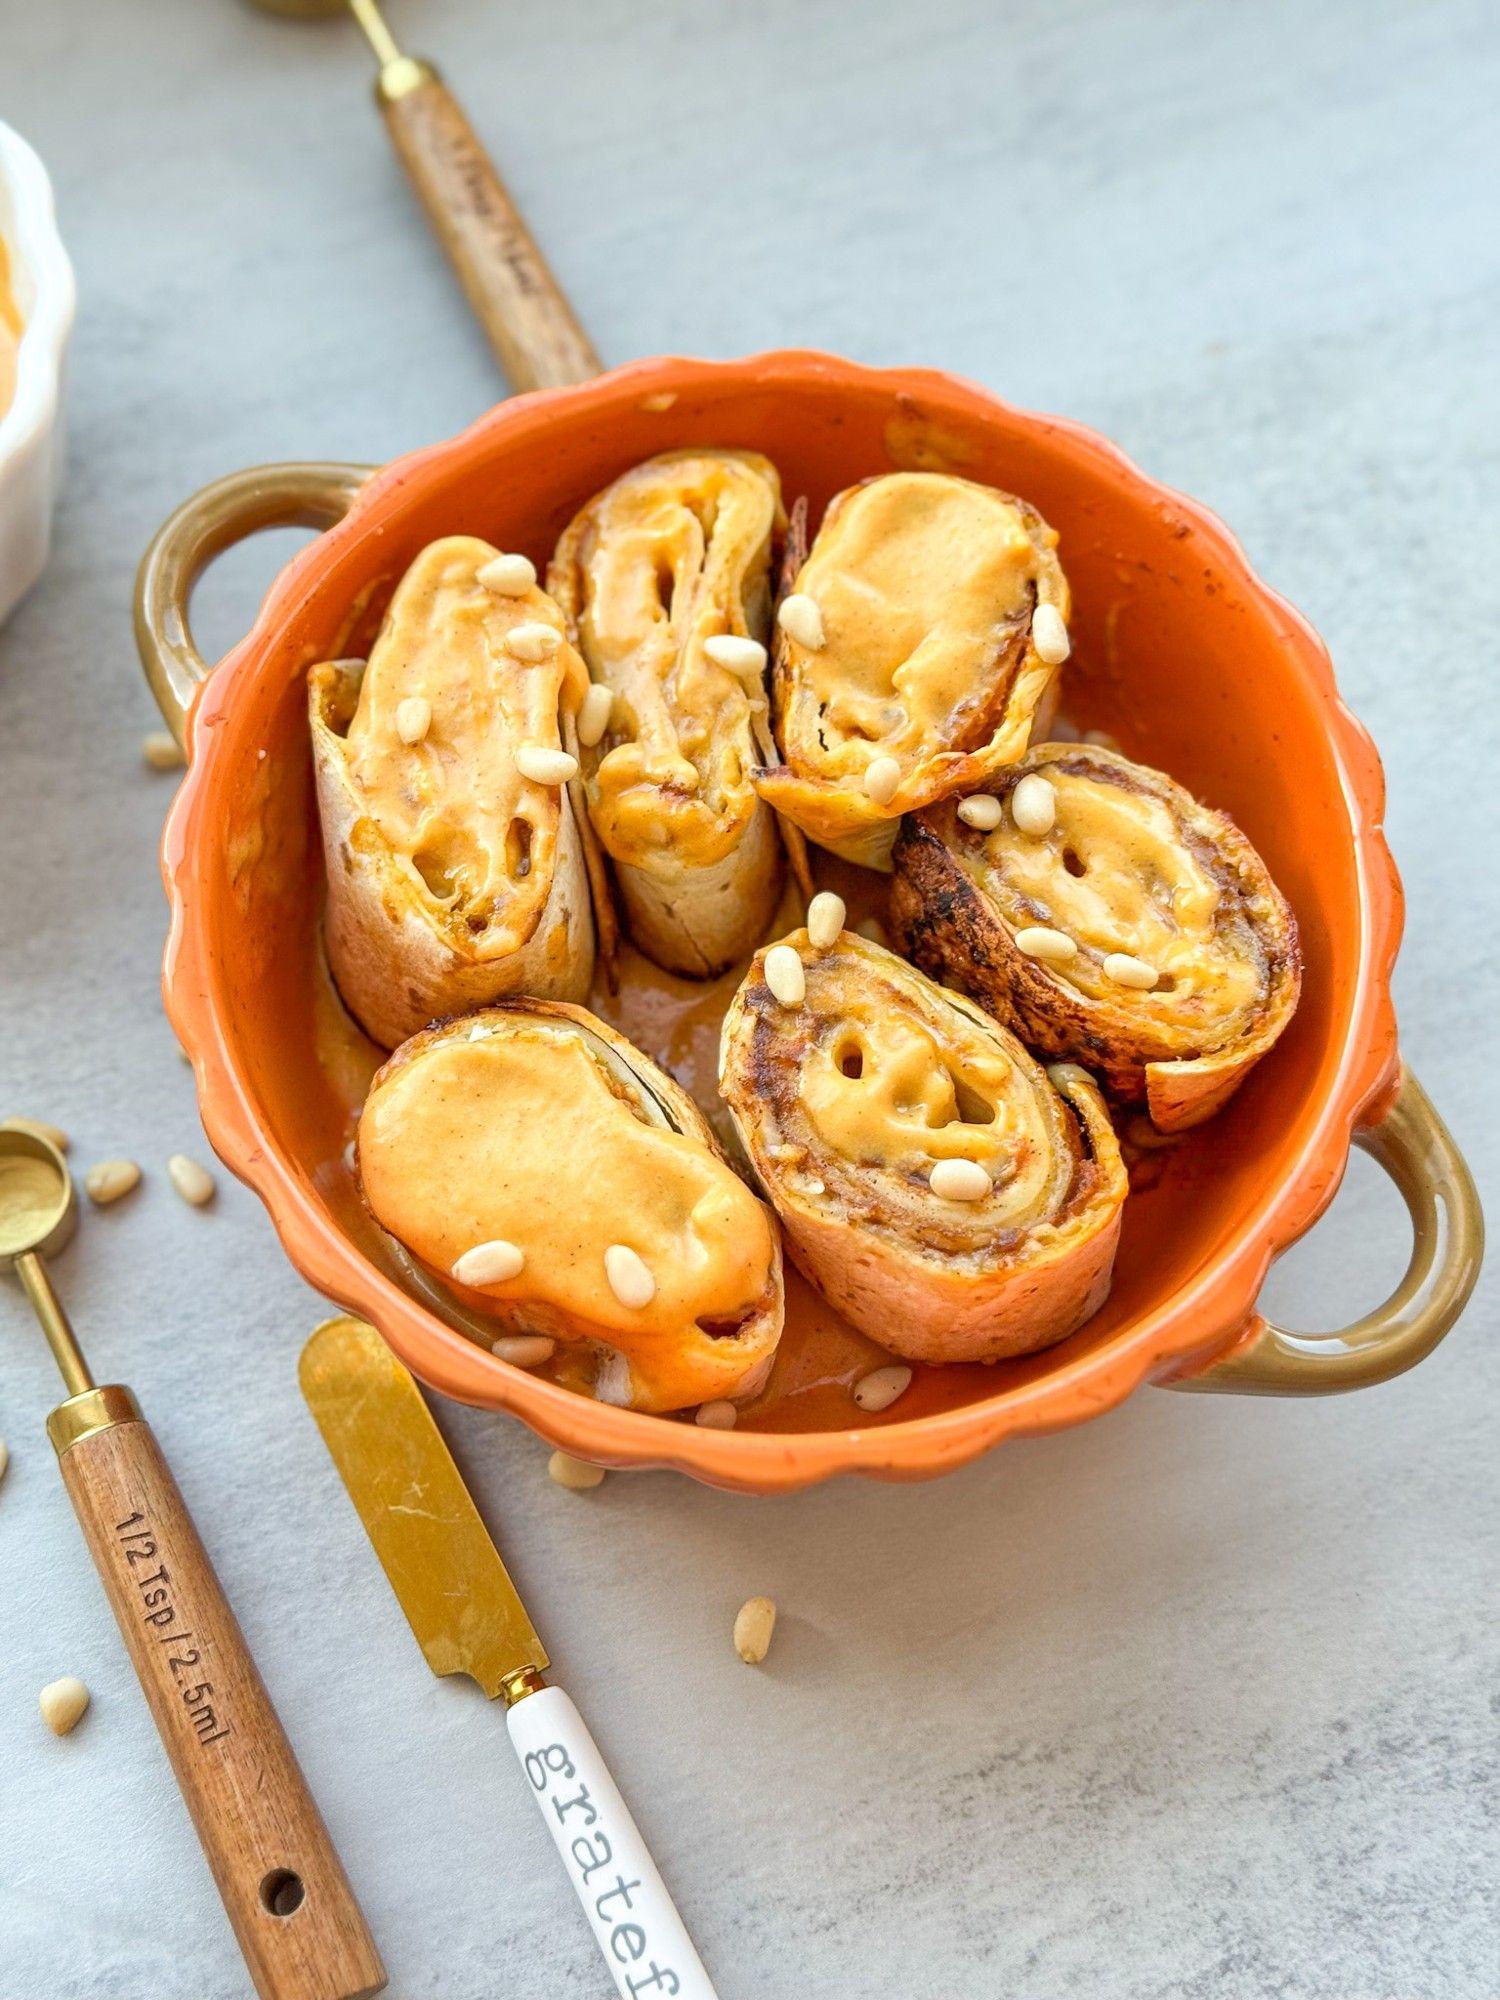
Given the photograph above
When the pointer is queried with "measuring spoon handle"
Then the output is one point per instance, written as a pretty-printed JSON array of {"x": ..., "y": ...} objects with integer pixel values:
[{"x": 283, "y": 1886}]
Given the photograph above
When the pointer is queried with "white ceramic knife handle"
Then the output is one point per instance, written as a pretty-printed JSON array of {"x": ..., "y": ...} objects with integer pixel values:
[{"x": 645, "y": 1943}]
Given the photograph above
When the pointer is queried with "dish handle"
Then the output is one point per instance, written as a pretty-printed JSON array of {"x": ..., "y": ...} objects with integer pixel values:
[
  {"x": 1417, "y": 1150},
  {"x": 299, "y": 494}
]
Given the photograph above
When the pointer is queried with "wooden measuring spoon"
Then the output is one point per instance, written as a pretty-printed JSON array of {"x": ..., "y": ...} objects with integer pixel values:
[
  {"x": 283, "y": 1885},
  {"x": 518, "y": 302}
]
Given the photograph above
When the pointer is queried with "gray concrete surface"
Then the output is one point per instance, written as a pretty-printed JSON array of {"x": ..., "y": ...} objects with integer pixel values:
[{"x": 1188, "y": 1705}]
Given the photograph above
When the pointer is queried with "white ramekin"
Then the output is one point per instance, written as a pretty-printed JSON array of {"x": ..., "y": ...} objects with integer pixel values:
[{"x": 31, "y": 430}]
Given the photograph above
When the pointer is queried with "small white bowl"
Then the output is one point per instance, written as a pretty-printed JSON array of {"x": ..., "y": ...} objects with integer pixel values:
[{"x": 31, "y": 429}]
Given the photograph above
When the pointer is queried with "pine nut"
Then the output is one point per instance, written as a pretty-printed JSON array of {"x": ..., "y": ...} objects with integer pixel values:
[
  {"x": 110, "y": 1180},
  {"x": 1049, "y": 635},
  {"x": 981, "y": 811},
  {"x": 39, "y": 1129},
  {"x": 594, "y": 712},
  {"x": 413, "y": 718},
  {"x": 1100, "y": 739},
  {"x": 801, "y": 620},
  {"x": 784, "y": 975},
  {"x": 959, "y": 1180},
  {"x": 532, "y": 642},
  {"x": 4, "y": 1457},
  {"x": 629, "y": 1276},
  {"x": 754, "y": 1623},
  {"x": 873, "y": 929},
  {"x": 1041, "y": 941},
  {"x": 573, "y": 1473},
  {"x": 489, "y": 1263},
  {"x": 194, "y": 1183},
  {"x": 746, "y": 657},
  {"x": 1033, "y": 804},
  {"x": 717, "y": 1416},
  {"x": 882, "y": 779},
  {"x": 162, "y": 751},
  {"x": 524, "y": 1350},
  {"x": 62, "y": 1704},
  {"x": 1127, "y": 971},
  {"x": 881, "y": 1387},
  {"x": 825, "y": 920},
  {"x": 508, "y": 576},
  {"x": 546, "y": 767},
  {"x": 1066, "y": 1078}
]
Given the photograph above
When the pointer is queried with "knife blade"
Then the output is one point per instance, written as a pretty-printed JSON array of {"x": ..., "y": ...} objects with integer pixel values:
[{"x": 469, "y": 1619}]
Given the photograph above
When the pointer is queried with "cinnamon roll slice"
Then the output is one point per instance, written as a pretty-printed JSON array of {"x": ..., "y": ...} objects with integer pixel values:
[
  {"x": 454, "y": 861},
  {"x": 912, "y": 651},
  {"x": 556, "y": 1182},
  {"x": 664, "y": 579},
  {"x": 1108, "y": 918},
  {"x": 952, "y": 1198}
]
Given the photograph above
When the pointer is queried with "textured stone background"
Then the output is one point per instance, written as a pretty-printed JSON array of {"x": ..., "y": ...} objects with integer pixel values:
[{"x": 1188, "y": 1703}]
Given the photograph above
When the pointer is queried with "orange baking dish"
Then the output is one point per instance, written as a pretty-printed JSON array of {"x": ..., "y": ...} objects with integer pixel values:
[{"x": 1180, "y": 651}]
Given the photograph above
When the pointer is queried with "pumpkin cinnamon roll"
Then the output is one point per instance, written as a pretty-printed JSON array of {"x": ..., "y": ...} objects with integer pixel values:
[
  {"x": 1110, "y": 919},
  {"x": 913, "y": 648},
  {"x": 954, "y": 1200},
  {"x": 556, "y": 1182},
  {"x": 664, "y": 580},
  {"x": 455, "y": 867}
]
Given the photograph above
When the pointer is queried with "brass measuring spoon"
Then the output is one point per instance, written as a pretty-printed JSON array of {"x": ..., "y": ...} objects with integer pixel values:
[
  {"x": 518, "y": 302},
  {"x": 283, "y": 1885}
]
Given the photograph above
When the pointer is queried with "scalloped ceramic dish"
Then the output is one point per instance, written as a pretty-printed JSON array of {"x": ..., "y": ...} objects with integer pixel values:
[
  {"x": 31, "y": 422},
  {"x": 1180, "y": 651}
]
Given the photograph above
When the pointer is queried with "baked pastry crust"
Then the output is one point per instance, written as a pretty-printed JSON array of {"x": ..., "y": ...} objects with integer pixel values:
[
  {"x": 1131, "y": 864},
  {"x": 844, "y": 1104},
  {"x": 537, "y": 1125},
  {"x": 674, "y": 554},
  {"x": 452, "y": 879},
  {"x": 926, "y": 586}
]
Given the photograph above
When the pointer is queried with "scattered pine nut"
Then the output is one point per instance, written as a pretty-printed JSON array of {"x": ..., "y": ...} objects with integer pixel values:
[
  {"x": 573, "y": 1473},
  {"x": 629, "y": 1276},
  {"x": 508, "y": 576},
  {"x": 754, "y": 1623},
  {"x": 801, "y": 620},
  {"x": 1049, "y": 635},
  {"x": 546, "y": 767},
  {"x": 881, "y": 1387},
  {"x": 746, "y": 657},
  {"x": 39, "y": 1129},
  {"x": 981, "y": 811},
  {"x": 4, "y": 1457},
  {"x": 1033, "y": 804},
  {"x": 532, "y": 642},
  {"x": 162, "y": 751},
  {"x": 1125, "y": 970},
  {"x": 594, "y": 712},
  {"x": 882, "y": 780},
  {"x": 110, "y": 1180},
  {"x": 719, "y": 1416},
  {"x": 62, "y": 1704},
  {"x": 959, "y": 1180},
  {"x": 1041, "y": 941},
  {"x": 825, "y": 920},
  {"x": 413, "y": 718},
  {"x": 489, "y": 1263},
  {"x": 194, "y": 1183},
  {"x": 784, "y": 975},
  {"x": 873, "y": 929},
  {"x": 524, "y": 1350}
]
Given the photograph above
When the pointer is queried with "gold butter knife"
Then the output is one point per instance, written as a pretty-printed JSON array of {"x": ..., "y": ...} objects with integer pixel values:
[{"x": 469, "y": 1619}]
